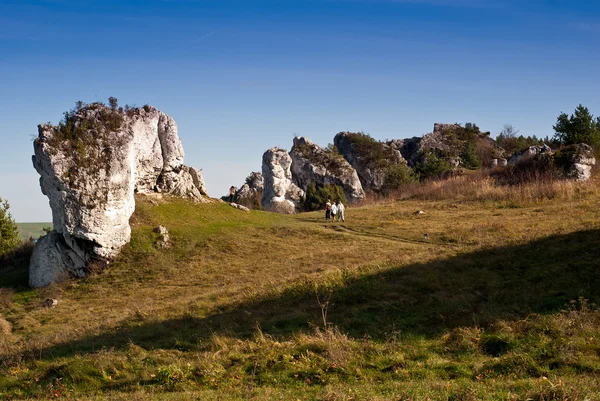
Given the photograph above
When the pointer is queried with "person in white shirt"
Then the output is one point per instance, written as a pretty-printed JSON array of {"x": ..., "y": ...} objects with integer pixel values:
[
  {"x": 340, "y": 210},
  {"x": 334, "y": 210}
]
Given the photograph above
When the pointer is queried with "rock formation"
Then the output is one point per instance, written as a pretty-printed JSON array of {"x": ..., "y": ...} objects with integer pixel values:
[
  {"x": 90, "y": 166},
  {"x": 528, "y": 153},
  {"x": 574, "y": 162},
  {"x": 280, "y": 194},
  {"x": 253, "y": 187},
  {"x": 370, "y": 158},
  {"x": 312, "y": 164},
  {"x": 578, "y": 161}
]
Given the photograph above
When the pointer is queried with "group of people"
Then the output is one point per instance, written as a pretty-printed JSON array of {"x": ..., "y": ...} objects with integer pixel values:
[{"x": 334, "y": 209}]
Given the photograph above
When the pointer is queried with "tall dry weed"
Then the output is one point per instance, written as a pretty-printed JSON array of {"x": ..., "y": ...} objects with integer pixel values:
[{"x": 481, "y": 187}]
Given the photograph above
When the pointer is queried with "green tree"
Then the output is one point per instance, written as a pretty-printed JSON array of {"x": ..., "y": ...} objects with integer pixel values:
[
  {"x": 432, "y": 166},
  {"x": 396, "y": 176},
  {"x": 9, "y": 232},
  {"x": 316, "y": 196},
  {"x": 580, "y": 127},
  {"x": 470, "y": 159}
]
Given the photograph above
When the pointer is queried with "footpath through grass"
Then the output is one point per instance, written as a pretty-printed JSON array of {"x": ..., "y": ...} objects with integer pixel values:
[{"x": 497, "y": 304}]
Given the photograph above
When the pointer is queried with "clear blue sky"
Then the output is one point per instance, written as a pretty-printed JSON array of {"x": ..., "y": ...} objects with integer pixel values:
[{"x": 242, "y": 76}]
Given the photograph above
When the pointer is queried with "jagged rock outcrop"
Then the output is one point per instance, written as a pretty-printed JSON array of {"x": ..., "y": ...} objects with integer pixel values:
[
  {"x": 90, "y": 166},
  {"x": 313, "y": 165},
  {"x": 280, "y": 193},
  {"x": 370, "y": 158},
  {"x": 254, "y": 186}
]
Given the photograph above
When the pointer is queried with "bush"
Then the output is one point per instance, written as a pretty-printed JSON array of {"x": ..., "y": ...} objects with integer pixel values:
[
  {"x": 536, "y": 168},
  {"x": 316, "y": 197},
  {"x": 432, "y": 166},
  {"x": 9, "y": 232},
  {"x": 396, "y": 176},
  {"x": 470, "y": 159},
  {"x": 373, "y": 154}
]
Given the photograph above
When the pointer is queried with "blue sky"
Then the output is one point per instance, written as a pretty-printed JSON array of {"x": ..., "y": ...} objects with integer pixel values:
[{"x": 242, "y": 76}]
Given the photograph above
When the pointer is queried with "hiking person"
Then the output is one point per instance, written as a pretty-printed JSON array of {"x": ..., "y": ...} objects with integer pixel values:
[
  {"x": 340, "y": 210},
  {"x": 328, "y": 209},
  {"x": 231, "y": 193},
  {"x": 334, "y": 210}
]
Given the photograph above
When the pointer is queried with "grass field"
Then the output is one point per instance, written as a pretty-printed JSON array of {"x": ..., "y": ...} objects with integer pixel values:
[
  {"x": 498, "y": 304},
  {"x": 32, "y": 230}
]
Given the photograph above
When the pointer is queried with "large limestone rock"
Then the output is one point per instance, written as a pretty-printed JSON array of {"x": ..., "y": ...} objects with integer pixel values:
[
  {"x": 370, "y": 158},
  {"x": 280, "y": 193},
  {"x": 90, "y": 166},
  {"x": 313, "y": 165}
]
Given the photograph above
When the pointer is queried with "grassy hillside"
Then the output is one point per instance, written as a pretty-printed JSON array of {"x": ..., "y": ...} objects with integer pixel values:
[
  {"x": 34, "y": 230},
  {"x": 498, "y": 304}
]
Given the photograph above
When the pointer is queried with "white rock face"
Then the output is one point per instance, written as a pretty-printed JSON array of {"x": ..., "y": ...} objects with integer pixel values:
[
  {"x": 313, "y": 165},
  {"x": 280, "y": 193},
  {"x": 90, "y": 180}
]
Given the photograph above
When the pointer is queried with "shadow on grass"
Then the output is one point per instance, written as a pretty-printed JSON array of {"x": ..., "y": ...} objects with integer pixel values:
[{"x": 418, "y": 300}]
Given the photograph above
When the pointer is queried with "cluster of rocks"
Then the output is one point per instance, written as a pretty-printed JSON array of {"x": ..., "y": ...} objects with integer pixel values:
[
  {"x": 91, "y": 208},
  {"x": 357, "y": 164},
  {"x": 573, "y": 162}
]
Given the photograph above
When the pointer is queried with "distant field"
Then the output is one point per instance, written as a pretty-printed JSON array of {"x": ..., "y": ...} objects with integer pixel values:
[{"x": 34, "y": 230}]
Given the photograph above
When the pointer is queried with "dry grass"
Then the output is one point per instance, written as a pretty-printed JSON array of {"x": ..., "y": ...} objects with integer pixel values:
[{"x": 479, "y": 186}]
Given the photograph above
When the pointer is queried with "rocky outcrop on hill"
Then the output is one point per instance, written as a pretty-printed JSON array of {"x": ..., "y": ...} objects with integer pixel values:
[
  {"x": 574, "y": 162},
  {"x": 280, "y": 193},
  {"x": 312, "y": 164},
  {"x": 90, "y": 166},
  {"x": 578, "y": 161},
  {"x": 370, "y": 158}
]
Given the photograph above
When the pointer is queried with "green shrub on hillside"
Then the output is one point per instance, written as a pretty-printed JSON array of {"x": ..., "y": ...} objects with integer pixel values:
[
  {"x": 432, "y": 165},
  {"x": 469, "y": 157},
  {"x": 396, "y": 176},
  {"x": 316, "y": 197}
]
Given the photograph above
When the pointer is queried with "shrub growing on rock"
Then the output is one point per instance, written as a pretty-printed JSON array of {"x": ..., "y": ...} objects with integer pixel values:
[
  {"x": 316, "y": 197},
  {"x": 432, "y": 165}
]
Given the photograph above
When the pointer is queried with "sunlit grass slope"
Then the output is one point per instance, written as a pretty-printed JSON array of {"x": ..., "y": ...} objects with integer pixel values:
[{"x": 496, "y": 304}]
